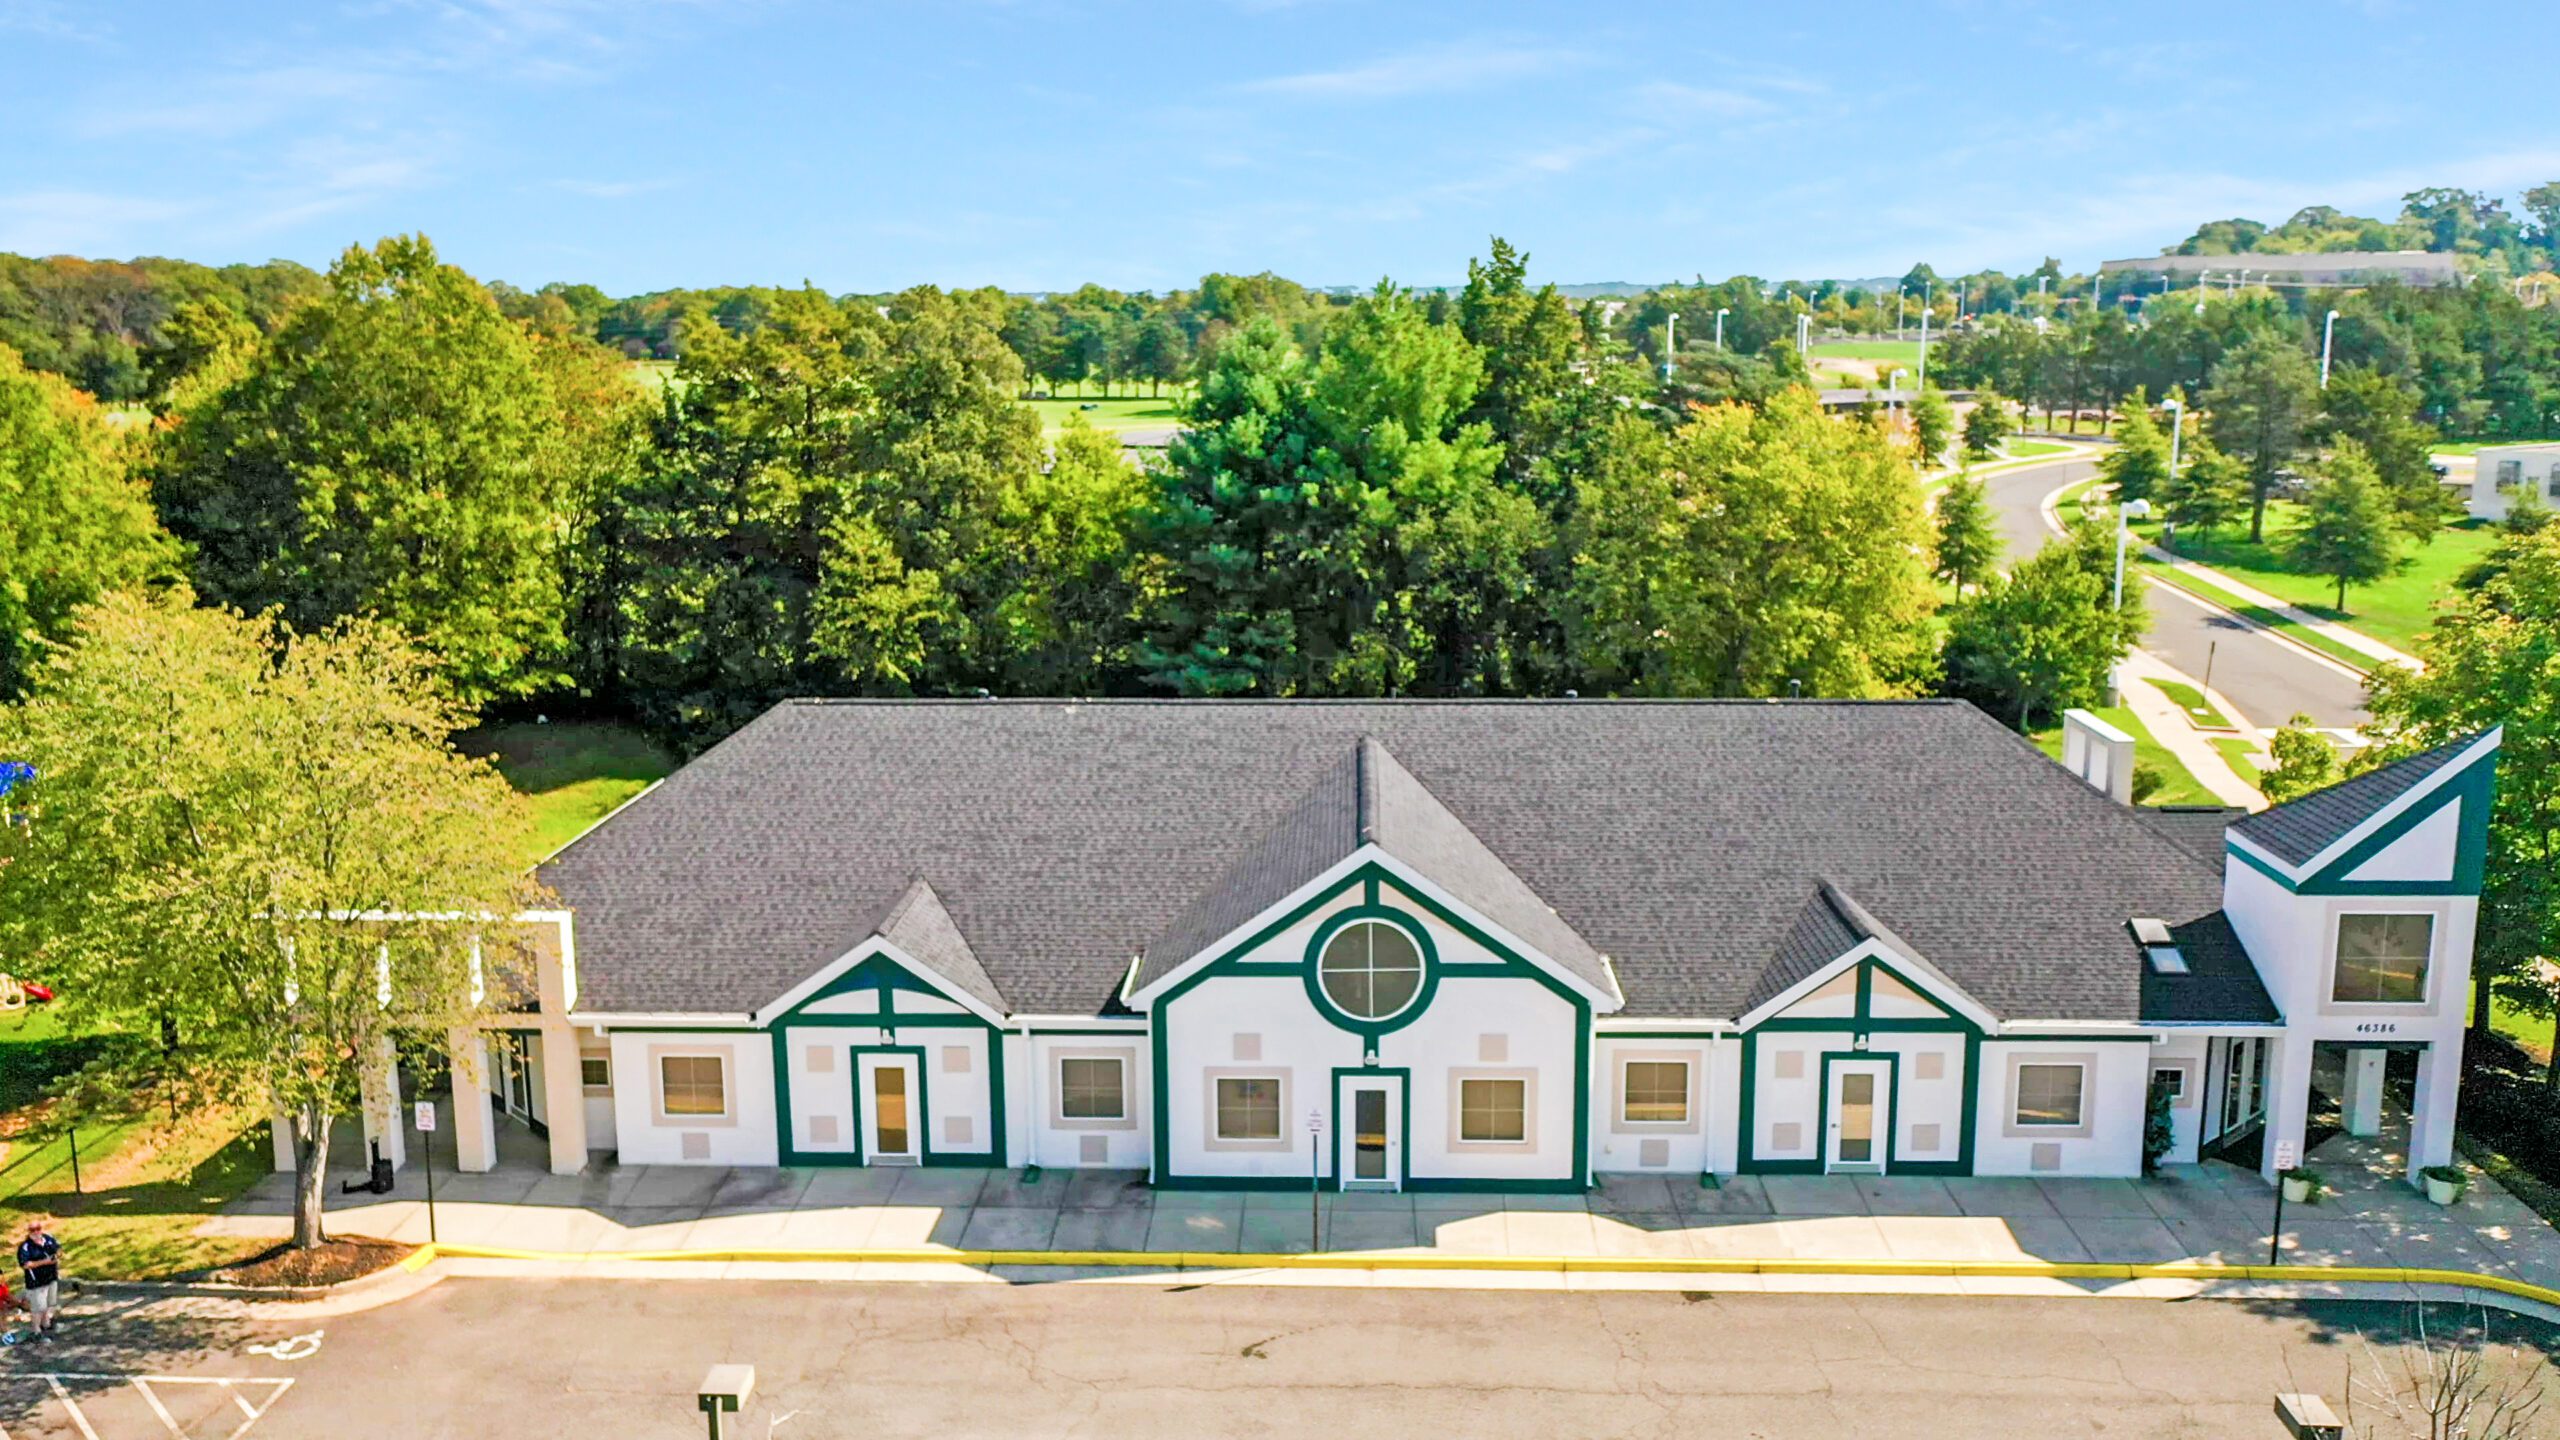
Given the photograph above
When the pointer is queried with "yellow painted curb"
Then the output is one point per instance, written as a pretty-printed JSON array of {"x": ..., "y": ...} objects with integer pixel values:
[{"x": 1540, "y": 1264}]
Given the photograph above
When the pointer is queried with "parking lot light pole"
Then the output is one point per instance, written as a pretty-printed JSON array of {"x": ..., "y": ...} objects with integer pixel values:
[
  {"x": 2177, "y": 415},
  {"x": 1720, "y": 327},
  {"x": 2126, "y": 513},
  {"x": 1670, "y": 342},
  {"x": 2328, "y": 332}
]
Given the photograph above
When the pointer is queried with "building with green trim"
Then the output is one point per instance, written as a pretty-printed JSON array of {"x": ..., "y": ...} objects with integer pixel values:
[{"x": 1497, "y": 945}]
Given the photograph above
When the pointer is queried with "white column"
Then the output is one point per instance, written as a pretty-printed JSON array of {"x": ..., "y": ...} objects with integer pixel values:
[
  {"x": 2431, "y": 1108},
  {"x": 281, "y": 1137},
  {"x": 2362, "y": 1104},
  {"x": 564, "y": 1100},
  {"x": 378, "y": 1088},
  {"x": 475, "y": 1129},
  {"x": 2288, "y": 1099}
]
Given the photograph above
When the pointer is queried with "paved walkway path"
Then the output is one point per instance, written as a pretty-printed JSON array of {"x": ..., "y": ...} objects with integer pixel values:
[
  {"x": 2177, "y": 734},
  {"x": 2212, "y": 1212}
]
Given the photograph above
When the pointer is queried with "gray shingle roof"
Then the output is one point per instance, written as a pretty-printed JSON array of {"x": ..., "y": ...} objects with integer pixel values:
[
  {"x": 918, "y": 924},
  {"x": 1681, "y": 839},
  {"x": 2301, "y": 828},
  {"x": 1821, "y": 933}
]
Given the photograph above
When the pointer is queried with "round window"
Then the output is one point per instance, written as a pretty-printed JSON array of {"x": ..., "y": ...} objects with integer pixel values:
[{"x": 1370, "y": 970}]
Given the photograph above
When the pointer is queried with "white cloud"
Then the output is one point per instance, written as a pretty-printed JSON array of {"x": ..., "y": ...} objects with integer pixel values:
[
  {"x": 83, "y": 222},
  {"x": 1439, "y": 70}
]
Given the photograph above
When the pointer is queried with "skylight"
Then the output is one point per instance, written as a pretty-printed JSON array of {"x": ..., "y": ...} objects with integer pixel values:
[{"x": 2160, "y": 947}]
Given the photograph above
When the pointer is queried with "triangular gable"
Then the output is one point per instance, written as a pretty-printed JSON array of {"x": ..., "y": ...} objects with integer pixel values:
[
  {"x": 1369, "y": 806},
  {"x": 1894, "y": 968},
  {"x": 918, "y": 935},
  {"x": 2416, "y": 826}
]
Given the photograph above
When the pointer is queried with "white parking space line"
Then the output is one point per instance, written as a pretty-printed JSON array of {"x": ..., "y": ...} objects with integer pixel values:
[{"x": 267, "y": 1390}]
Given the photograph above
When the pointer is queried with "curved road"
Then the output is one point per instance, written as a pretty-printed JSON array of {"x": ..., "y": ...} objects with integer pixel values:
[{"x": 2269, "y": 679}]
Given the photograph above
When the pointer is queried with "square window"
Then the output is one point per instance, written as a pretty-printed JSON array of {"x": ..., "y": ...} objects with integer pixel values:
[
  {"x": 2382, "y": 959},
  {"x": 2172, "y": 1078},
  {"x": 1248, "y": 1107},
  {"x": 1493, "y": 1110},
  {"x": 1090, "y": 1089},
  {"x": 2049, "y": 1094},
  {"x": 693, "y": 1085},
  {"x": 595, "y": 1072},
  {"x": 1656, "y": 1092}
]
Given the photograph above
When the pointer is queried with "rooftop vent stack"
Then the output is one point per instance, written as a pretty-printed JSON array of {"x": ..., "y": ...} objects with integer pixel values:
[{"x": 2098, "y": 753}]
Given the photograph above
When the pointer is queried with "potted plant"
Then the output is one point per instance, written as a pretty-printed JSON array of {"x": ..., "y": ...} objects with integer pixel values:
[
  {"x": 2445, "y": 1183},
  {"x": 2303, "y": 1187}
]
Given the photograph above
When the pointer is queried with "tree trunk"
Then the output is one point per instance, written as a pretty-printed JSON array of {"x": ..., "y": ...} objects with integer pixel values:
[
  {"x": 310, "y": 1175},
  {"x": 2258, "y": 513},
  {"x": 2480, "y": 997}
]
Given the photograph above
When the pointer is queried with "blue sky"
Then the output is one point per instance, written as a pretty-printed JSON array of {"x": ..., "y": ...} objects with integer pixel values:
[{"x": 1036, "y": 144}]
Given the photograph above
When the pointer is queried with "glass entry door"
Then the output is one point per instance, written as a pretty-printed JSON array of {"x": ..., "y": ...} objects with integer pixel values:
[
  {"x": 1861, "y": 1110},
  {"x": 890, "y": 1131},
  {"x": 1371, "y": 1125}
]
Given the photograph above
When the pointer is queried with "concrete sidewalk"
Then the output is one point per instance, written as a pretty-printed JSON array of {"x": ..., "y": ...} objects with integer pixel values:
[
  {"x": 2213, "y": 1213},
  {"x": 2177, "y": 733}
]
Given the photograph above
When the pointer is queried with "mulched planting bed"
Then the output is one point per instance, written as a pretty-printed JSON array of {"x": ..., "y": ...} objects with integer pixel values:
[{"x": 329, "y": 1263}]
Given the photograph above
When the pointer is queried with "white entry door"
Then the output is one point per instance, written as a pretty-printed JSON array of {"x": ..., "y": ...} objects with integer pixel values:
[
  {"x": 1369, "y": 1133},
  {"x": 892, "y": 1124},
  {"x": 1859, "y": 1102}
]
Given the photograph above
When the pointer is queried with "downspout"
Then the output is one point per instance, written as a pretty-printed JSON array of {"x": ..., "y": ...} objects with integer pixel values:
[{"x": 1031, "y": 1071}]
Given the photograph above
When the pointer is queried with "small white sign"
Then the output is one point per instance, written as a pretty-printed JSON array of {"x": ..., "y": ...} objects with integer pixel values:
[
  {"x": 426, "y": 1117},
  {"x": 2288, "y": 1156},
  {"x": 1315, "y": 1122}
]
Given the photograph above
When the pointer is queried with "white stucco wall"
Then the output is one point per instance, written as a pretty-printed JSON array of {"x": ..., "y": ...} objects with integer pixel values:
[
  {"x": 1054, "y": 1141},
  {"x": 2109, "y": 1139},
  {"x": 1506, "y": 1027},
  {"x": 956, "y": 1081},
  {"x": 644, "y": 1136},
  {"x": 1619, "y": 1144}
]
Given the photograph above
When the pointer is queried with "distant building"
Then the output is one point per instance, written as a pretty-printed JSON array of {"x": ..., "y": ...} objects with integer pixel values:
[
  {"x": 2503, "y": 473},
  {"x": 2420, "y": 268}
]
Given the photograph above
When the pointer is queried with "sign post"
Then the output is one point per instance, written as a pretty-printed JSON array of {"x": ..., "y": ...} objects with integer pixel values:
[
  {"x": 1315, "y": 1184},
  {"x": 427, "y": 1146},
  {"x": 2286, "y": 1158}
]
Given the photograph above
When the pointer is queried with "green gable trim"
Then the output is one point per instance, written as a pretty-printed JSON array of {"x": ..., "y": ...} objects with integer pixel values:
[
  {"x": 1862, "y": 1021},
  {"x": 890, "y": 979},
  {"x": 2474, "y": 787},
  {"x": 1377, "y": 888}
]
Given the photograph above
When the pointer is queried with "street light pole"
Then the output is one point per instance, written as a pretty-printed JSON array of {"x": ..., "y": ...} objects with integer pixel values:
[
  {"x": 2129, "y": 511},
  {"x": 1924, "y": 345},
  {"x": 1670, "y": 342},
  {"x": 1804, "y": 334},
  {"x": 2328, "y": 332},
  {"x": 1720, "y": 314},
  {"x": 1901, "y": 302},
  {"x": 2177, "y": 427}
]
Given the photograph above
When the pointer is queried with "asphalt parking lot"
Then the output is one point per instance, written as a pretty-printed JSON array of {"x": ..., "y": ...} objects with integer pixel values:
[{"x": 482, "y": 1357}]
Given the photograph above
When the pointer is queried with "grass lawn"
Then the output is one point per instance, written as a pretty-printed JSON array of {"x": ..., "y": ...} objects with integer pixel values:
[
  {"x": 2241, "y": 755},
  {"x": 2199, "y": 711},
  {"x": 577, "y": 772},
  {"x": 2397, "y": 609},
  {"x": 1111, "y": 416},
  {"x": 2022, "y": 449},
  {"x": 2178, "y": 785},
  {"x": 653, "y": 375},
  {"x": 1900, "y": 352}
]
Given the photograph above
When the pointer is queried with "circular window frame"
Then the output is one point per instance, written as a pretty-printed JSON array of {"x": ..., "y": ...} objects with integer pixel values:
[{"x": 1372, "y": 914}]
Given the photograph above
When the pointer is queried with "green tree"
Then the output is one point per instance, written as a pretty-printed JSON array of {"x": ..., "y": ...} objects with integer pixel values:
[
  {"x": 2038, "y": 641},
  {"x": 1751, "y": 548},
  {"x": 1968, "y": 540},
  {"x": 203, "y": 341},
  {"x": 2493, "y": 659},
  {"x": 2304, "y": 761},
  {"x": 2138, "y": 466},
  {"x": 2347, "y": 531},
  {"x": 1530, "y": 341},
  {"x": 2380, "y": 414},
  {"x": 2210, "y": 489},
  {"x": 1989, "y": 422},
  {"x": 1071, "y": 596},
  {"x": 393, "y": 450},
  {"x": 73, "y": 522},
  {"x": 215, "y": 798},
  {"x": 1932, "y": 426},
  {"x": 1225, "y": 524},
  {"x": 2262, "y": 399}
]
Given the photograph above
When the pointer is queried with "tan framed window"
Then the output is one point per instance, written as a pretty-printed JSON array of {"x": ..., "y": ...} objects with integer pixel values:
[
  {"x": 1496, "y": 1110},
  {"x": 2382, "y": 959},
  {"x": 1656, "y": 1092},
  {"x": 1091, "y": 1089},
  {"x": 693, "y": 1085},
  {"x": 2050, "y": 1094},
  {"x": 595, "y": 1072},
  {"x": 1248, "y": 1107}
]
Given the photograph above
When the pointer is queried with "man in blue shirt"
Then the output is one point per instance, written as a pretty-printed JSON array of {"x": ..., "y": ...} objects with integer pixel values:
[{"x": 40, "y": 1259}]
